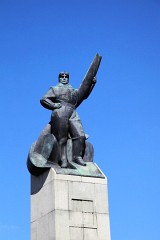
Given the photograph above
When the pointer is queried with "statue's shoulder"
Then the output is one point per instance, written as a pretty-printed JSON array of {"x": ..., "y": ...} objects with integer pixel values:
[
  {"x": 51, "y": 91},
  {"x": 57, "y": 86},
  {"x": 54, "y": 88}
]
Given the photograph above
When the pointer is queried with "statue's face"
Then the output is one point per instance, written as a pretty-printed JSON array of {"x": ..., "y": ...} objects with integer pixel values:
[{"x": 64, "y": 78}]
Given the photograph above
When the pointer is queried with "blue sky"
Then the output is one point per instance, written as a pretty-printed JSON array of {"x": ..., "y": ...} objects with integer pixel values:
[{"x": 122, "y": 116}]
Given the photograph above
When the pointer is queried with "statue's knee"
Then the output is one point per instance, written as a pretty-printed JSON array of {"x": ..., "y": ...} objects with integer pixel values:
[{"x": 62, "y": 140}]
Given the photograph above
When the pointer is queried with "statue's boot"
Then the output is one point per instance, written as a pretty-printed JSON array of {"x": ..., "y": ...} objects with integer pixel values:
[
  {"x": 78, "y": 150},
  {"x": 64, "y": 164},
  {"x": 79, "y": 160}
]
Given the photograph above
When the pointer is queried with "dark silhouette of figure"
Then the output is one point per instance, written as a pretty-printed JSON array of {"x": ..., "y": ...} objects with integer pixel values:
[{"x": 63, "y": 100}]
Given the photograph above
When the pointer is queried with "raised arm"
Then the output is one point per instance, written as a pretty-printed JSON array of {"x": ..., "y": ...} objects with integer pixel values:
[{"x": 89, "y": 80}]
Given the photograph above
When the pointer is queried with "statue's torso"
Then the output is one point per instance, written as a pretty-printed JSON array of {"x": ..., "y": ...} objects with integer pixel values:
[{"x": 65, "y": 94}]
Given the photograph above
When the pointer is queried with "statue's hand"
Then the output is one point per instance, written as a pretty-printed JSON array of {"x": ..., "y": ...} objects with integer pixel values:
[
  {"x": 94, "y": 80},
  {"x": 57, "y": 105}
]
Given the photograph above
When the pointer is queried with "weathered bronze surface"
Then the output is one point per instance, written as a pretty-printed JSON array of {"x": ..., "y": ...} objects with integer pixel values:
[{"x": 62, "y": 144}]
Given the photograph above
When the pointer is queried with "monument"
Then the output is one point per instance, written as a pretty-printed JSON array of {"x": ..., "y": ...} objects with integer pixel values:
[{"x": 68, "y": 191}]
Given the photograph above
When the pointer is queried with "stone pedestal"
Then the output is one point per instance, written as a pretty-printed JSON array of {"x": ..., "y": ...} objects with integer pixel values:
[{"x": 67, "y": 207}]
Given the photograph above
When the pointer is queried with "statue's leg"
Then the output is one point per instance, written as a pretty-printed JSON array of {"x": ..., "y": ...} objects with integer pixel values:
[
  {"x": 78, "y": 138},
  {"x": 59, "y": 127}
]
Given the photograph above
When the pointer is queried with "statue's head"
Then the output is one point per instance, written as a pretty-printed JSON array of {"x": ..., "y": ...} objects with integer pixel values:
[{"x": 63, "y": 77}]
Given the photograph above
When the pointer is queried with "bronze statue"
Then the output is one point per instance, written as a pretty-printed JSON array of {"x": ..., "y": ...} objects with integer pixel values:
[
  {"x": 63, "y": 99},
  {"x": 65, "y": 123}
]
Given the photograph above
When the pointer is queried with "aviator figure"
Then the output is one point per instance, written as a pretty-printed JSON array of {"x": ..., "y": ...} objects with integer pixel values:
[{"x": 63, "y": 100}]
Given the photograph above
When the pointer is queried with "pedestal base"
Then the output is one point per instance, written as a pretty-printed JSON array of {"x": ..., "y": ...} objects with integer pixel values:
[{"x": 67, "y": 207}]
